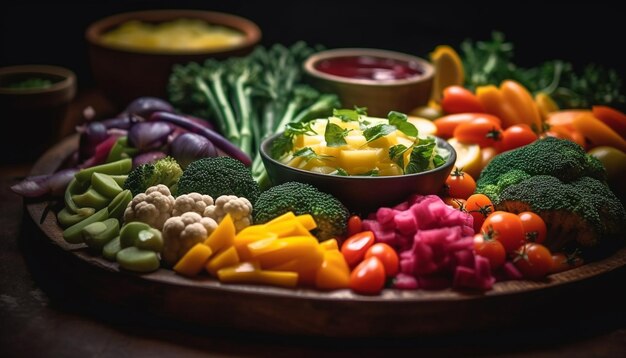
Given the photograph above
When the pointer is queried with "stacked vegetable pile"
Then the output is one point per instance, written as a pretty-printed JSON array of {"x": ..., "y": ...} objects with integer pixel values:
[{"x": 157, "y": 188}]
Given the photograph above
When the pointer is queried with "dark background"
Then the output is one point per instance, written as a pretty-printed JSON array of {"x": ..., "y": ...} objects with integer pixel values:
[{"x": 48, "y": 33}]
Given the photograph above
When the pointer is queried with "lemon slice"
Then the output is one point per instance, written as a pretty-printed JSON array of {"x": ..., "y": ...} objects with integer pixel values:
[
  {"x": 424, "y": 126},
  {"x": 468, "y": 157},
  {"x": 448, "y": 70}
]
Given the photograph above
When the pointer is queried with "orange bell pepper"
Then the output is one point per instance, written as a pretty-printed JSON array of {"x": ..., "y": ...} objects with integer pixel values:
[
  {"x": 523, "y": 104},
  {"x": 224, "y": 258},
  {"x": 333, "y": 273},
  {"x": 223, "y": 235},
  {"x": 194, "y": 260},
  {"x": 248, "y": 272},
  {"x": 612, "y": 118},
  {"x": 492, "y": 100},
  {"x": 565, "y": 118},
  {"x": 598, "y": 132}
]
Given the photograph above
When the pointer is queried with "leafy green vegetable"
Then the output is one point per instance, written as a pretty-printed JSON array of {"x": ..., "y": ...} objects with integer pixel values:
[
  {"x": 424, "y": 156},
  {"x": 334, "y": 135},
  {"x": 396, "y": 153},
  {"x": 342, "y": 172},
  {"x": 491, "y": 62},
  {"x": 400, "y": 121},
  {"x": 346, "y": 115},
  {"x": 307, "y": 153},
  {"x": 378, "y": 131}
]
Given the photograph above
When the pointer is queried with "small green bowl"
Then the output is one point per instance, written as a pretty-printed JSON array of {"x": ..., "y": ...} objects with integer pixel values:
[{"x": 360, "y": 194}]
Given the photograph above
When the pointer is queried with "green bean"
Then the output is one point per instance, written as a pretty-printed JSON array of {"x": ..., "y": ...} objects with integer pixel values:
[
  {"x": 73, "y": 233},
  {"x": 91, "y": 198},
  {"x": 130, "y": 232},
  {"x": 74, "y": 188},
  {"x": 67, "y": 219},
  {"x": 123, "y": 166},
  {"x": 110, "y": 250},
  {"x": 137, "y": 260},
  {"x": 105, "y": 185},
  {"x": 119, "y": 203},
  {"x": 98, "y": 234}
]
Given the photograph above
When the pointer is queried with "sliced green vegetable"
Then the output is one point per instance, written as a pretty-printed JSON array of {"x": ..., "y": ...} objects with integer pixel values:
[
  {"x": 105, "y": 185},
  {"x": 120, "y": 179},
  {"x": 67, "y": 219},
  {"x": 73, "y": 233},
  {"x": 73, "y": 188},
  {"x": 91, "y": 198},
  {"x": 130, "y": 232},
  {"x": 110, "y": 250},
  {"x": 137, "y": 260},
  {"x": 119, "y": 167},
  {"x": 97, "y": 235},
  {"x": 118, "y": 205},
  {"x": 150, "y": 239}
]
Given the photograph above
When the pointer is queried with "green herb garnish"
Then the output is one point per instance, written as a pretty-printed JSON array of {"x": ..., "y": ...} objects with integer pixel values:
[
  {"x": 334, "y": 135},
  {"x": 378, "y": 131},
  {"x": 399, "y": 120}
]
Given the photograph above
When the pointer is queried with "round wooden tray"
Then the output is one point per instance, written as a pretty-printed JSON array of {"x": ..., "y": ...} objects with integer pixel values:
[{"x": 338, "y": 313}]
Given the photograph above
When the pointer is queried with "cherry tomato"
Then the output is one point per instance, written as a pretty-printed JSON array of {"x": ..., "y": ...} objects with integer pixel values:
[
  {"x": 355, "y": 225},
  {"x": 355, "y": 247},
  {"x": 387, "y": 255},
  {"x": 491, "y": 249},
  {"x": 446, "y": 124},
  {"x": 563, "y": 262},
  {"x": 458, "y": 204},
  {"x": 533, "y": 260},
  {"x": 534, "y": 227},
  {"x": 516, "y": 136},
  {"x": 480, "y": 207},
  {"x": 506, "y": 228},
  {"x": 457, "y": 99},
  {"x": 480, "y": 131},
  {"x": 368, "y": 277},
  {"x": 460, "y": 184}
]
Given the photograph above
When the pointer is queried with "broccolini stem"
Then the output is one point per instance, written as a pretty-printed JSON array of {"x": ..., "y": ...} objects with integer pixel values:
[
  {"x": 243, "y": 101},
  {"x": 217, "y": 84},
  {"x": 206, "y": 91}
]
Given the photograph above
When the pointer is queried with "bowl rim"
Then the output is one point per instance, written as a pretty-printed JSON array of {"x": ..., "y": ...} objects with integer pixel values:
[
  {"x": 251, "y": 31},
  {"x": 265, "y": 155},
  {"x": 68, "y": 78},
  {"x": 309, "y": 66}
]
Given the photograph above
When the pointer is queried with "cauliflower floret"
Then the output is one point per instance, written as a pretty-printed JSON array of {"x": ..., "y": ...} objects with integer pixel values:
[
  {"x": 239, "y": 208},
  {"x": 181, "y": 233},
  {"x": 191, "y": 202},
  {"x": 153, "y": 207}
]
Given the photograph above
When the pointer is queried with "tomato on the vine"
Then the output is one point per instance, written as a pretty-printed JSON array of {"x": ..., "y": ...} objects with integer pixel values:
[
  {"x": 533, "y": 260},
  {"x": 565, "y": 261},
  {"x": 506, "y": 228},
  {"x": 456, "y": 203},
  {"x": 368, "y": 277},
  {"x": 460, "y": 184},
  {"x": 355, "y": 247},
  {"x": 516, "y": 136},
  {"x": 491, "y": 249},
  {"x": 480, "y": 207},
  {"x": 387, "y": 255},
  {"x": 534, "y": 227}
]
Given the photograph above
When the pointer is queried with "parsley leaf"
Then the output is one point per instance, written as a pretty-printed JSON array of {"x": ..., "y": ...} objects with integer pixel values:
[
  {"x": 400, "y": 121},
  {"x": 282, "y": 145},
  {"x": 300, "y": 128},
  {"x": 308, "y": 153},
  {"x": 334, "y": 135},
  {"x": 396, "y": 154},
  {"x": 421, "y": 156},
  {"x": 346, "y": 115},
  {"x": 378, "y": 131}
]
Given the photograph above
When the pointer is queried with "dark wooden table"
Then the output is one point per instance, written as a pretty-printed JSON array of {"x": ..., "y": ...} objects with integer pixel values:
[{"x": 43, "y": 314}]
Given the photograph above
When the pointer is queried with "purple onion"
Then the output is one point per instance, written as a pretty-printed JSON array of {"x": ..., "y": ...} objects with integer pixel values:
[
  {"x": 188, "y": 147},
  {"x": 149, "y": 135},
  {"x": 122, "y": 121},
  {"x": 40, "y": 185},
  {"x": 145, "y": 106},
  {"x": 92, "y": 134},
  {"x": 148, "y": 157}
]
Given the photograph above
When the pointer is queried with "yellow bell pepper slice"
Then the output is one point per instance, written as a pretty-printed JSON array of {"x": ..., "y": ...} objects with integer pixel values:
[
  {"x": 242, "y": 241},
  {"x": 288, "y": 216},
  {"x": 288, "y": 228},
  {"x": 306, "y": 266},
  {"x": 194, "y": 260},
  {"x": 223, "y": 235},
  {"x": 307, "y": 221},
  {"x": 248, "y": 272},
  {"x": 224, "y": 258},
  {"x": 275, "y": 252},
  {"x": 333, "y": 273},
  {"x": 330, "y": 244}
]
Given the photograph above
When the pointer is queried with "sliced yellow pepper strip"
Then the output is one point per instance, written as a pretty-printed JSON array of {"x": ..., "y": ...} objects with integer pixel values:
[
  {"x": 248, "y": 272},
  {"x": 307, "y": 221},
  {"x": 194, "y": 260},
  {"x": 330, "y": 244},
  {"x": 223, "y": 235},
  {"x": 333, "y": 273},
  {"x": 224, "y": 258},
  {"x": 288, "y": 216}
]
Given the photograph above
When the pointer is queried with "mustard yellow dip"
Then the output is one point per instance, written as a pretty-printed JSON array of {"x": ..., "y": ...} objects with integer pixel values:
[{"x": 176, "y": 35}]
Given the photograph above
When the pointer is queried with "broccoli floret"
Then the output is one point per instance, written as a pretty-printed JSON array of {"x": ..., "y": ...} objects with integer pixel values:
[
  {"x": 557, "y": 180},
  {"x": 218, "y": 176},
  {"x": 164, "y": 171},
  {"x": 329, "y": 213},
  {"x": 559, "y": 158}
]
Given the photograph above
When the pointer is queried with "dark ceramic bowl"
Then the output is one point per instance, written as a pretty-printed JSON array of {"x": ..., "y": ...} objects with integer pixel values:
[
  {"x": 362, "y": 194},
  {"x": 379, "y": 96},
  {"x": 125, "y": 73},
  {"x": 35, "y": 111}
]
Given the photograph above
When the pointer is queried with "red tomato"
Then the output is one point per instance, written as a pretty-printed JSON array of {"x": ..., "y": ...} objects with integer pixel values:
[
  {"x": 458, "y": 204},
  {"x": 368, "y": 277},
  {"x": 563, "y": 262},
  {"x": 491, "y": 249},
  {"x": 612, "y": 118},
  {"x": 480, "y": 131},
  {"x": 446, "y": 124},
  {"x": 355, "y": 225},
  {"x": 533, "y": 260},
  {"x": 480, "y": 207},
  {"x": 506, "y": 228},
  {"x": 563, "y": 132},
  {"x": 534, "y": 227},
  {"x": 355, "y": 247},
  {"x": 516, "y": 136},
  {"x": 460, "y": 184},
  {"x": 457, "y": 99},
  {"x": 387, "y": 255}
]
